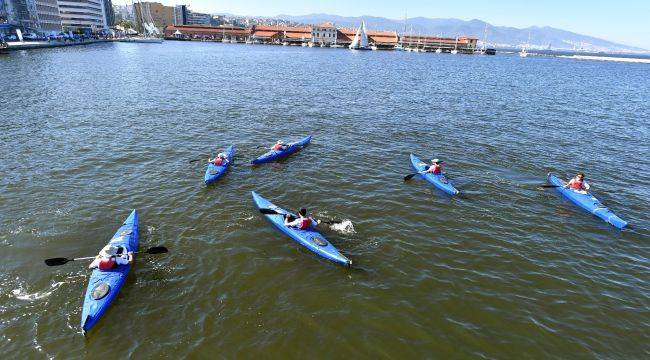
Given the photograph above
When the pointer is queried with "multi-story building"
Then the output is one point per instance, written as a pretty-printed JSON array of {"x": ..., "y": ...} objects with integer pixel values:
[
  {"x": 49, "y": 17},
  {"x": 180, "y": 15},
  {"x": 195, "y": 18},
  {"x": 161, "y": 15},
  {"x": 21, "y": 13},
  {"x": 324, "y": 34},
  {"x": 109, "y": 14},
  {"x": 83, "y": 15}
]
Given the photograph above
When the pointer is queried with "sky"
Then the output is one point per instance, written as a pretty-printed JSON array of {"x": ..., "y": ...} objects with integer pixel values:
[{"x": 624, "y": 21}]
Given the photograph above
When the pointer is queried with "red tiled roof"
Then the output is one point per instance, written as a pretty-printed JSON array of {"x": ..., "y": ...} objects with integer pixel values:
[
  {"x": 305, "y": 29},
  {"x": 264, "y": 33}
]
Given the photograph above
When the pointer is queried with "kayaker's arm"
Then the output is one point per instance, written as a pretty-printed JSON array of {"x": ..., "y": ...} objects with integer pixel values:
[{"x": 586, "y": 186}]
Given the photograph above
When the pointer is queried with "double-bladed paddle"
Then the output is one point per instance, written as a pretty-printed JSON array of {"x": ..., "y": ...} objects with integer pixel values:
[
  {"x": 62, "y": 261},
  {"x": 273, "y": 212}
]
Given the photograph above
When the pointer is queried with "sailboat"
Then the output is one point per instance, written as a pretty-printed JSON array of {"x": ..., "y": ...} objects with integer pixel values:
[
  {"x": 455, "y": 51},
  {"x": 151, "y": 32},
  {"x": 360, "y": 41},
  {"x": 524, "y": 52}
]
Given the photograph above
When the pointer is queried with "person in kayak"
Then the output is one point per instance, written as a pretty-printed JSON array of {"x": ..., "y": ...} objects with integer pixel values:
[
  {"x": 303, "y": 222},
  {"x": 219, "y": 160},
  {"x": 435, "y": 168},
  {"x": 578, "y": 183},
  {"x": 111, "y": 257},
  {"x": 279, "y": 146}
]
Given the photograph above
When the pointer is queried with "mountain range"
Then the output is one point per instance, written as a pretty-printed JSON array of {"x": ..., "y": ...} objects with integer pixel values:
[{"x": 497, "y": 36}]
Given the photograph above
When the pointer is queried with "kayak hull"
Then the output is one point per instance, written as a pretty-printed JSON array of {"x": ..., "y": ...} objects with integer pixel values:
[
  {"x": 214, "y": 172},
  {"x": 310, "y": 239},
  {"x": 587, "y": 202},
  {"x": 439, "y": 181},
  {"x": 275, "y": 155},
  {"x": 93, "y": 309}
]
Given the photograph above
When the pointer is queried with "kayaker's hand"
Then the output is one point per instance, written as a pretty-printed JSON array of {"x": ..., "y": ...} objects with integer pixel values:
[{"x": 318, "y": 222}]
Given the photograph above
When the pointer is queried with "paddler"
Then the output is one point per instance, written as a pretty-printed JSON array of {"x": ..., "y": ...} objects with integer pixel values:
[
  {"x": 303, "y": 222},
  {"x": 279, "y": 146},
  {"x": 435, "y": 168},
  {"x": 220, "y": 160},
  {"x": 578, "y": 183},
  {"x": 111, "y": 257}
]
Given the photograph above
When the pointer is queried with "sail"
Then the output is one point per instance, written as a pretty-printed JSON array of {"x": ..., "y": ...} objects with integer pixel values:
[
  {"x": 364, "y": 36},
  {"x": 355, "y": 42}
]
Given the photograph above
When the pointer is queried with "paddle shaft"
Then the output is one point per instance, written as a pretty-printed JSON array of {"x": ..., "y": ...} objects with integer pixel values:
[{"x": 274, "y": 212}]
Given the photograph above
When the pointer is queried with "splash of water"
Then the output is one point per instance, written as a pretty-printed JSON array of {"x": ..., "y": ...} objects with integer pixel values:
[{"x": 344, "y": 227}]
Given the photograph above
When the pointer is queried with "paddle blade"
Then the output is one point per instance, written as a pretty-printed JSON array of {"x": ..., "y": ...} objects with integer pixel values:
[
  {"x": 550, "y": 186},
  {"x": 157, "y": 250},
  {"x": 56, "y": 261},
  {"x": 194, "y": 160},
  {"x": 409, "y": 177},
  {"x": 269, "y": 212},
  {"x": 332, "y": 222}
]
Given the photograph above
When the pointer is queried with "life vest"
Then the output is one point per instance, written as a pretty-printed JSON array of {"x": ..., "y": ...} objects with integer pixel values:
[
  {"x": 277, "y": 147},
  {"x": 107, "y": 263},
  {"x": 436, "y": 169},
  {"x": 305, "y": 223},
  {"x": 218, "y": 161},
  {"x": 575, "y": 184}
]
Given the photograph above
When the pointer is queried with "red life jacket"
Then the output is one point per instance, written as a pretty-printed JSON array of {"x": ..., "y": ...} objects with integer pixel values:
[
  {"x": 218, "y": 161},
  {"x": 305, "y": 224},
  {"x": 437, "y": 169},
  {"x": 575, "y": 184},
  {"x": 107, "y": 264},
  {"x": 277, "y": 147}
]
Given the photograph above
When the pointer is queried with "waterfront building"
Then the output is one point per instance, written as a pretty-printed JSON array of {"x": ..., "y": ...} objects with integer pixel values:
[
  {"x": 49, "y": 17},
  {"x": 239, "y": 34},
  {"x": 161, "y": 15},
  {"x": 386, "y": 40},
  {"x": 83, "y": 15},
  {"x": 21, "y": 13},
  {"x": 195, "y": 18},
  {"x": 109, "y": 14},
  {"x": 180, "y": 15},
  {"x": 463, "y": 44},
  {"x": 291, "y": 35},
  {"x": 324, "y": 34}
]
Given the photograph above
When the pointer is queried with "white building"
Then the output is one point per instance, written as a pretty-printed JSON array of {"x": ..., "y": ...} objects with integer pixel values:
[
  {"x": 323, "y": 34},
  {"x": 82, "y": 15}
]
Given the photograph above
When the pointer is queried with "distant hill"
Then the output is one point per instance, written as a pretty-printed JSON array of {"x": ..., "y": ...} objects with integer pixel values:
[{"x": 499, "y": 36}]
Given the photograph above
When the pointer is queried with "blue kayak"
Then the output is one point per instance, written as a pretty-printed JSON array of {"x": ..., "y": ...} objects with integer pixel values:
[
  {"x": 214, "y": 172},
  {"x": 310, "y": 239},
  {"x": 104, "y": 285},
  {"x": 588, "y": 202},
  {"x": 278, "y": 154},
  {"x": 440, "y": 181}
]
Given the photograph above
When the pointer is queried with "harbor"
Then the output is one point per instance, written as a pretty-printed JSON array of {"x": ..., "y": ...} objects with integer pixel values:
[{"x": 322, "y": 35}]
